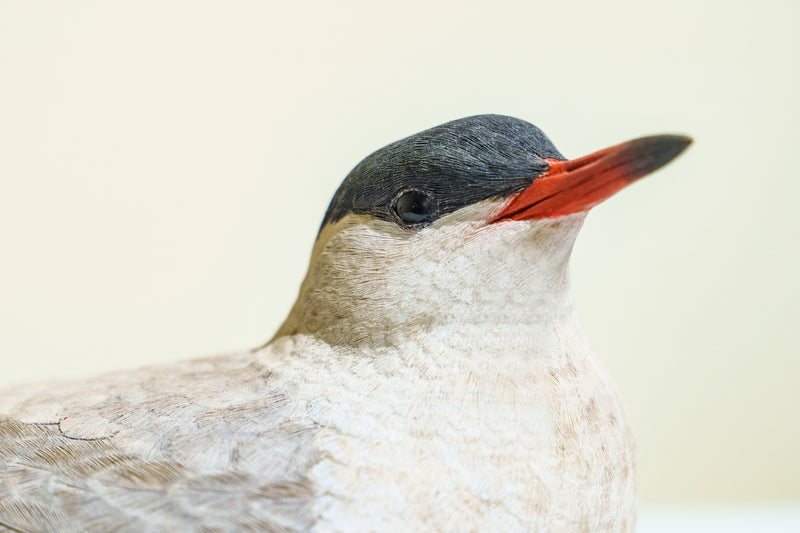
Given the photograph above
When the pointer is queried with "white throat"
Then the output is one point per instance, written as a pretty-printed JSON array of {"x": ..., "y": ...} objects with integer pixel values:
[{"x": 373, "y": 283}]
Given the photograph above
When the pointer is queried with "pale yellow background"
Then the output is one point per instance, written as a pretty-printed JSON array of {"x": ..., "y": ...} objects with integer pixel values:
[{"x": 164, "y": 167}]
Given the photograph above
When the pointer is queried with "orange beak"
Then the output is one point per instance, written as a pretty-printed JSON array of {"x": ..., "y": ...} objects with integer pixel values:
[{"x": 579, "y": 184}]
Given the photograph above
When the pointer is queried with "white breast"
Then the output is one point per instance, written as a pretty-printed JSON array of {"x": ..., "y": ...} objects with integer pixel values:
[{"x": 437, "y": 436}]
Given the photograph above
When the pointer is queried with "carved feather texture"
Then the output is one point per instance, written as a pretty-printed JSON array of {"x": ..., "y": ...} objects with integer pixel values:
[
  {"x": 474, "y": 405},
  {"x": 430, "y": 377},
  {"x": 208, "y": 444}
]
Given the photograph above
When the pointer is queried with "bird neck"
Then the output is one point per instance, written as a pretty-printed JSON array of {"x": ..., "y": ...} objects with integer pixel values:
[{"x": 469, "y": 282}]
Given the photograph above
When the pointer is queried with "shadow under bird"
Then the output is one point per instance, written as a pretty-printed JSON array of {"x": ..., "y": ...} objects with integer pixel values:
[{"x": 431, "y": 376}]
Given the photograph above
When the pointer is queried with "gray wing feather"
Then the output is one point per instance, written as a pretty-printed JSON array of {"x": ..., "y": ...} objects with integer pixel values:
[{"x": 168, "y": 462}]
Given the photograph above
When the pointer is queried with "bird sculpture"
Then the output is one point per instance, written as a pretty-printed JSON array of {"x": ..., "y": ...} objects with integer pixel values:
[{"x": 431, "y": 376}]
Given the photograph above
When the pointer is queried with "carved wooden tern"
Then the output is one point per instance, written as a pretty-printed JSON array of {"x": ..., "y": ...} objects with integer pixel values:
[{"x": 432, "y": 375}]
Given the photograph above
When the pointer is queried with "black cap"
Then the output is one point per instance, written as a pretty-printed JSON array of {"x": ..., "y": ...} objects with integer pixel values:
[{"x": 443, "y": 169}]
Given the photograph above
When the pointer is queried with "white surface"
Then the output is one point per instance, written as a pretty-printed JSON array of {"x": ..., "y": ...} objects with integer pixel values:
[{"x": 723, "y": 518}]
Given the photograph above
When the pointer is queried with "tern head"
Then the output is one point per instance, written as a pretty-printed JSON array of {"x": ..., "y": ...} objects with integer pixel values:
[{"x": 466, "y": 224}]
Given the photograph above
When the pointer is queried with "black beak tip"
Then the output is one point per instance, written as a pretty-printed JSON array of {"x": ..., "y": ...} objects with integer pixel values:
[{"x": 653, "y": 152}]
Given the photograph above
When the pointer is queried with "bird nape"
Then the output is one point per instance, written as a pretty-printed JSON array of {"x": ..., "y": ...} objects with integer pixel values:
[{"x": 431, "y": 375}]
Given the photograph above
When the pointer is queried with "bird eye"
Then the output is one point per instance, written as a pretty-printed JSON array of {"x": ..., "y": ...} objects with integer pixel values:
[{"x": 414, "y": 207}]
